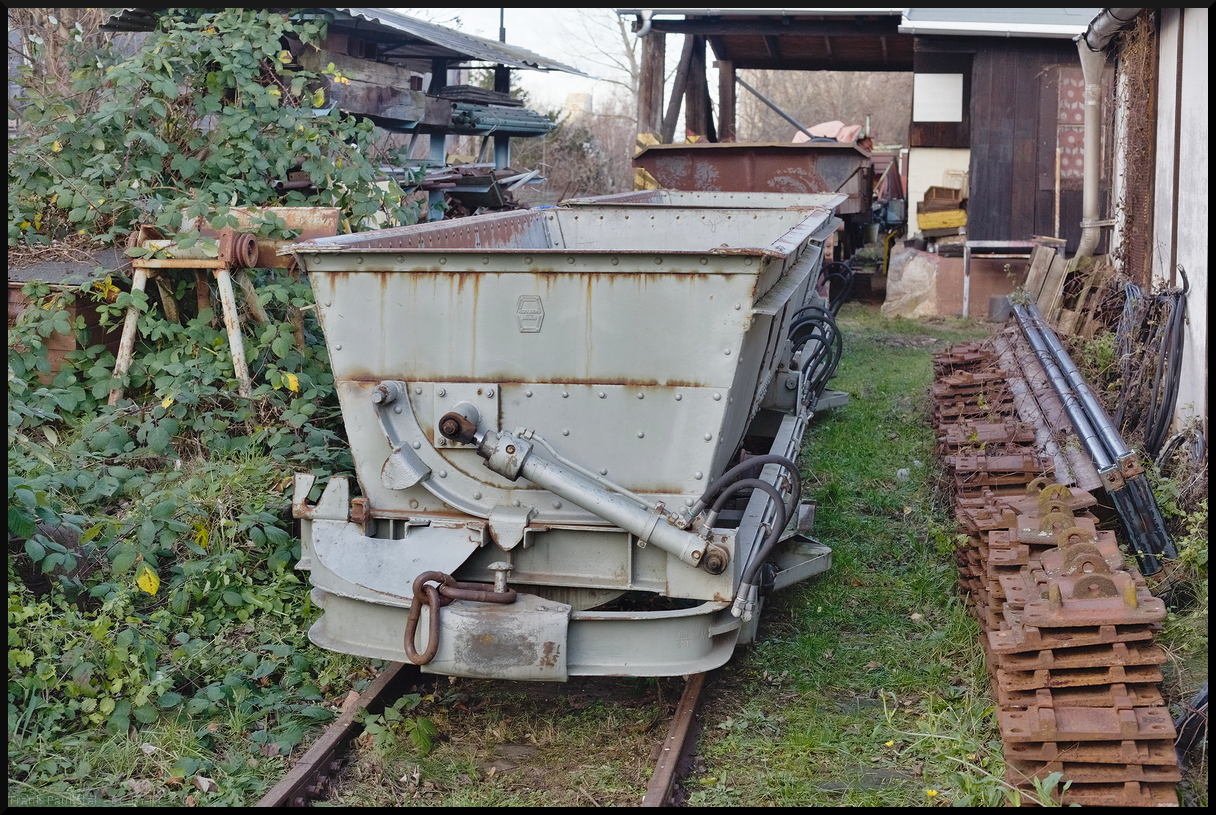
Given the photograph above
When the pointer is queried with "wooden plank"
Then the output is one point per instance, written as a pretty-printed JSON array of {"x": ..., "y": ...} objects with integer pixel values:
[
  {"x": 1089, "y": 326},
  {"x": 982, "y": 183},
  {"x": 938, "y": 233},
  {"x": 1024, "y": 181},
  {"x": 1067, "y": 321},
  {"x": 1092, "y": 281},
  {"x": 942, "y": 220},
  {"x": 1004, "y": 117},
  {"x": 1045, "y": 199},
  {"x": 727, "y": 102},
  {"x": 1053, "y": 289},
  {"x": 1036, "y": 270}
]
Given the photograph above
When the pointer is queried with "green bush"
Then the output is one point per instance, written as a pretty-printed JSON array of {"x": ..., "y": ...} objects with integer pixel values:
[
  {"x": 207, "y": 116},
  {"x": 151, "y": 587}
]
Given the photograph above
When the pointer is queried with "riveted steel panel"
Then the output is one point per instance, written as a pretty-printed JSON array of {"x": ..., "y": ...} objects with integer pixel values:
[{"x": 634, "y": 344}]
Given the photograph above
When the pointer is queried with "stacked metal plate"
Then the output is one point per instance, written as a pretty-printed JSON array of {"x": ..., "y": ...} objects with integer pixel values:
[{"x": 1068, "y": 622}]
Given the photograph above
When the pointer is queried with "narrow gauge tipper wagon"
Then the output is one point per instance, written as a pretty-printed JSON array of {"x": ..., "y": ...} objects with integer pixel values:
[{"x": 574, "y": 433}]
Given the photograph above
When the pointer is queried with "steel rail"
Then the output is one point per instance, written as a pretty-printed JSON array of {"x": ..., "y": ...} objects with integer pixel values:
[
  {"x": 681, "y": 738},
  {"x": 315, "y": 771},
  {"x": 311, "y": 776}
]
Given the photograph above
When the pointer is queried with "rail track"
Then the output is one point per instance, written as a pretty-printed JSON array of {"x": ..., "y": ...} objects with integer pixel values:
[
  {"x": 1068, "y": 622},
  {"x": 313, "y": 777}
]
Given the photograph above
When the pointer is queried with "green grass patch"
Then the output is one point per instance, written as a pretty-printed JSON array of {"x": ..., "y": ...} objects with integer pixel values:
[{"x": 867, "y": 685}]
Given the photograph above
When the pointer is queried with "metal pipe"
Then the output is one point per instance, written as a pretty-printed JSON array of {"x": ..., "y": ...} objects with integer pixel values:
[
  {"x": 773, "y": 105},
  {"x": 1097, "y": 413},
  {"x": 1128, "y": 489},
  {"x": 644, "y": 15},
  {"x": 1104, "y": 26},
  {"x": 511, "y": 457},
  {"x": 1091, "y": 66},
  {"x": 1090, "y": 47},
  {"x": 1085, "y": 430}
]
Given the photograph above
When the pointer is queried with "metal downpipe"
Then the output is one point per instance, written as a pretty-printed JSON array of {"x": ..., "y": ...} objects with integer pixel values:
[
  {"x": 1091, "y": 66},
  {"x": 1090, "y": 47}
]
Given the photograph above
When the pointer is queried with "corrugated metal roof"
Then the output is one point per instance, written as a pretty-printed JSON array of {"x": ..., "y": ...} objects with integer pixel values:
[
  {"x": 998, "y": 22},
  {"x": 412, "y": 38},
  {"x": 460, "y": 45}
]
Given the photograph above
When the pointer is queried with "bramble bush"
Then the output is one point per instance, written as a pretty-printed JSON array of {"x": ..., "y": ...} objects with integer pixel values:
[
  {"x": 151, "y": 546},
  {"x": 207, "y": 116}
]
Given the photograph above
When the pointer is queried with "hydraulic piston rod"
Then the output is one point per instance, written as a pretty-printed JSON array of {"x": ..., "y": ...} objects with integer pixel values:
[{"x": 512, "y": 457}]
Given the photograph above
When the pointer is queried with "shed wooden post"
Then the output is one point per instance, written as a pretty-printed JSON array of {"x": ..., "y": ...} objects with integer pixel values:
[
  {"x": 696, "y": 110},
  {"x": 677, "y": 92},
  {"x": 650, "y": 84},
  {"x": 727, "y": 131}
]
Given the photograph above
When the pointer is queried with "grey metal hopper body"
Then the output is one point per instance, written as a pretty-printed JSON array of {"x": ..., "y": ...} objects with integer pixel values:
[{"x": 635, "y": 345}]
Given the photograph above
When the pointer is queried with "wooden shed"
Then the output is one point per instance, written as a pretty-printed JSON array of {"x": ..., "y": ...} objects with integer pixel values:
[
  {"x": 998, "y": 112},
  {"x": 997, "y": 102}
]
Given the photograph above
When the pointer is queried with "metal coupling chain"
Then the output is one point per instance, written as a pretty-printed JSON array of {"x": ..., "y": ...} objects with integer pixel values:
[{"x": 445, "y": 590}]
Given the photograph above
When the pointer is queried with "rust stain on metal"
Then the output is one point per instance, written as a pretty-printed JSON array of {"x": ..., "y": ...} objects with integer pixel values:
[{"x": 789, "y": 168}]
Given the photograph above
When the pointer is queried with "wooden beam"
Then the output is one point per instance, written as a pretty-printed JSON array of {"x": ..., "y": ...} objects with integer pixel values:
[
  {"x": 650, "y": 84},
  {"x": 727, "y": 105},
  {"x": 888, "y": 26},
  {"x": 677, "y": 93},
  {"x": 696, "y": 108}
]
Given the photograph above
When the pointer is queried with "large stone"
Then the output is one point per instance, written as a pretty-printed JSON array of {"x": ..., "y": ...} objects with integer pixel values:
[{"x": 911, "y": 285}]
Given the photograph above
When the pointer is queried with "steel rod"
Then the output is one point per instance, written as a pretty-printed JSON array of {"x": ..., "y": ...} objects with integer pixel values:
[
  {"x": 1102, "y": 422},
  {"x": 1085, "y": 429}
]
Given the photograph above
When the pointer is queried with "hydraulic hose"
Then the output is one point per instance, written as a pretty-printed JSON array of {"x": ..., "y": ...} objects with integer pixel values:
[
  {"x": 742, "y": 469},
  {"x": 1169, "y": 369},
  {"x": 1147, "y": 400},
  {"x": 748, "y": 588},
  {"x": 842, "y": 273},
  {"x": 746, "y": 484},
  {"x": 816, "y": 324}
]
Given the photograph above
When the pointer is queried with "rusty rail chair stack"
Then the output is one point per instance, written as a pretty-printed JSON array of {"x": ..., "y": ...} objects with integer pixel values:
[{"x": 1068, "y": 623}]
